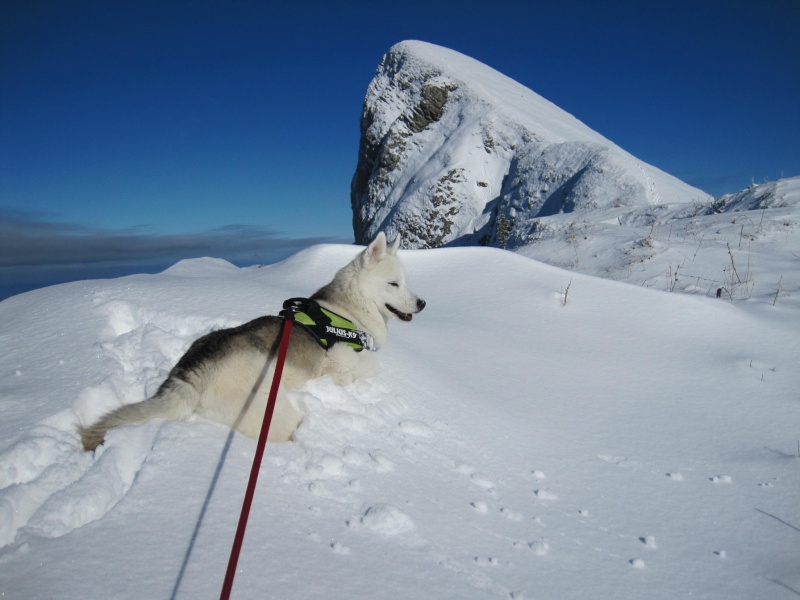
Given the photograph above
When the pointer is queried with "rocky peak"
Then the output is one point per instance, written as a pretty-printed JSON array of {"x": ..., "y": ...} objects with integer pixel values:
[{"x": 453, "y": 152}]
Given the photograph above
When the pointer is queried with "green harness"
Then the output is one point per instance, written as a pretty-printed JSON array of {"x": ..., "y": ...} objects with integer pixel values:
[{"x": 326, "y": 326}]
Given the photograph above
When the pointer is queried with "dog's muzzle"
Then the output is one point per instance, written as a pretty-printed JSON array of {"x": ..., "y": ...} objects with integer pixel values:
[{"x": 406, "y": 316}]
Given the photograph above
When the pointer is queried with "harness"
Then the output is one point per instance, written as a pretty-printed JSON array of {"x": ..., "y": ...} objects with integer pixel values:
[{"x": 326, "y": 326}]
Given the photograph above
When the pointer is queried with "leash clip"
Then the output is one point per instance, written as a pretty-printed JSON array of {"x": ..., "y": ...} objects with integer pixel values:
[{"x": 292, "y": 306}]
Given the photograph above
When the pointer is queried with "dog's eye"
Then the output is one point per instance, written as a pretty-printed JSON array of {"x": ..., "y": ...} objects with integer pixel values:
[{"x": 394, "y": 284}]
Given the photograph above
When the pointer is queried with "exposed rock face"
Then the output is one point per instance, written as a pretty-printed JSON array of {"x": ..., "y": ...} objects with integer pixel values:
[{"x": 453, "y": 152}]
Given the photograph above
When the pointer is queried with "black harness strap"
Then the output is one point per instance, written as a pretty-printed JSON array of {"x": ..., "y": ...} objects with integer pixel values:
[{"x": 327, "y": 327}]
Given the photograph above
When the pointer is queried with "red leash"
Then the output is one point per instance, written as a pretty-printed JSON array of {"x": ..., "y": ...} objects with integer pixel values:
[{"x": 262, "y": 441}]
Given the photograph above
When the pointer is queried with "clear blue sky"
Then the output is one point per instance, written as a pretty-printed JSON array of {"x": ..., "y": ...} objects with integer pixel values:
[{"x": 133, "y": 134}]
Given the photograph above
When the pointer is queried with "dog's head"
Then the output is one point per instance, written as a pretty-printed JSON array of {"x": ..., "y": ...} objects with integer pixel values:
[{"x": 386, "y": 280}]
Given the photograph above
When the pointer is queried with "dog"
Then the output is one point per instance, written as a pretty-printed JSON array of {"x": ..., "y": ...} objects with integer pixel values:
[{"x": 225, "y": 375}]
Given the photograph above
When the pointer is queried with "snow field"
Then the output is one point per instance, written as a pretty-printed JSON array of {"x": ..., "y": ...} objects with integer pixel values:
[{"x": 626, "y": 444}]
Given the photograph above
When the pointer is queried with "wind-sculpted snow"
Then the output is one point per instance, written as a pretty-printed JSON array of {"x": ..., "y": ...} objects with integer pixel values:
[
  {"x": 47, "y": 487},
  {"x": 534, "y": 433}
]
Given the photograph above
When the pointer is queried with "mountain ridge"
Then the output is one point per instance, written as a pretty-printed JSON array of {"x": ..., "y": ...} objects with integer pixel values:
[{"x": 453, "y": 152}]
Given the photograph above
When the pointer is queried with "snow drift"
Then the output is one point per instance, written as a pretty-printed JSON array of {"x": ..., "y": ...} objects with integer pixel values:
[{"x": 535, "y": 433}]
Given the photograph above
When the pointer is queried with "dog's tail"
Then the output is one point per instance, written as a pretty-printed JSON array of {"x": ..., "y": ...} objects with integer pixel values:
[{"x": 175, "y": 399}]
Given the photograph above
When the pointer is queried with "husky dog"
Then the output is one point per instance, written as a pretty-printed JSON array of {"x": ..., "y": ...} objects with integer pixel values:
[{"x": 225, "y": 375}]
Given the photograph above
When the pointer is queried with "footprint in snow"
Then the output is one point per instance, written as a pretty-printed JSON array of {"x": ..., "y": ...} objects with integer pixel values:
[
  {"x": 477, "y": 478},
  {"x": 482, "y": 481},
  {"x": 380, "y": 462},
  {"x": 649, "y": 541},
  {"x": 325, "y": 466},
  {"x": 384, "y": 519},
  {"x": 319, "y": 489},
  {"x": 339, "y": 548},
  {"x": 375, "y": 460},
  {"x": 637, "y": 563},
  {"x": 620, "y": 461},
  {"x": 480, "y": 506},
  {"x": 539, "y": 547},
  {"x": 464, "y": 468},
  {"x": 415, "y": 428},
  {"x": 354, "y": 457},
  {"x": 545, "y": 494},
  {"x": 718, "y": 479}
]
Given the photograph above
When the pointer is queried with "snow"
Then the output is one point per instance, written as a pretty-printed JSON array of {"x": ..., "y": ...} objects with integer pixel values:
[
  {"x": 743, "y": 244},
  {"x": 534, "y": 433},
  {"x": 498, "y": 151}
]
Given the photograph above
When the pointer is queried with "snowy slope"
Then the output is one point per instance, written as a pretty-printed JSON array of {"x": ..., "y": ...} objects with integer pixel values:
[
  {"x": 744, "y": 244},
  {"x": 454, "y": 152},
  {"x": 534, "y": 433}
]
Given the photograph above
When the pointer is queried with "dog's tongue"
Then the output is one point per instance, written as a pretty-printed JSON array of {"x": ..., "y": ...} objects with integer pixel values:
[{"x": 400, "y": 315}]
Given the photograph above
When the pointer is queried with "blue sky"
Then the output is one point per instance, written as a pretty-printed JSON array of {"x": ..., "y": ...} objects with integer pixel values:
[{"x": 134, "y": 134}]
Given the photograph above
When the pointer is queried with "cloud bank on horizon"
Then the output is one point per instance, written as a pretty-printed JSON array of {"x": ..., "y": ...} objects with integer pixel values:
[{"x": 36, "y": 251}]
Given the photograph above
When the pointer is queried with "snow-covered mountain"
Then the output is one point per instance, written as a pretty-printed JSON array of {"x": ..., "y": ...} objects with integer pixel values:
[{"x": 453, "y": 152}]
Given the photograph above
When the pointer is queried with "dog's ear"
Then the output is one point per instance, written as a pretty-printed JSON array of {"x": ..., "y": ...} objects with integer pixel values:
[
  {"x": 394, "y": 246},
  {"x": 376, "y": 250}
]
